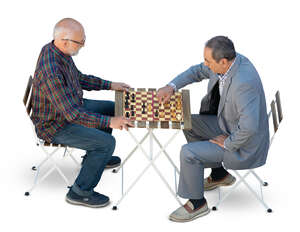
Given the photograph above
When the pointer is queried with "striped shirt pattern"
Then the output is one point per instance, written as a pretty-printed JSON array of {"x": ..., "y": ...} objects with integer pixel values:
[
  {"x": 223, "y": 77},
  {"x": 57, "y": 94}
]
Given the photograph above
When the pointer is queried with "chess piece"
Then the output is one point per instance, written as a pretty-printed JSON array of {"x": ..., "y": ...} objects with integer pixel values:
[
  {"x": 156, "y": 113},
  {"x": 149, "y": 107},
  {"x": 127, "y": 115},
  {"x": 178, "y": 116},
  {"x": 161, "y": 114},
  {"x": 132, "y": 113},
  {"x": 126, "y": 104},
  {"x": 173, "y": 114},
  {"x": 131, "y": 107}
]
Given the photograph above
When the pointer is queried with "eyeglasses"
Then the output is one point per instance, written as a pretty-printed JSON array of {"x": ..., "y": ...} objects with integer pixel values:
[{"x": 74, "y": 41}]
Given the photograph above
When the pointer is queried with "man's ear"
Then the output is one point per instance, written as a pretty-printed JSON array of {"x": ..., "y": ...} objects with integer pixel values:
[
  {"x": 223, "y": 62},
  {"x": 65, "y": 43}
]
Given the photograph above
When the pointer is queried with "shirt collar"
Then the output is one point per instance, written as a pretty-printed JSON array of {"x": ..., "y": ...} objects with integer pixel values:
[{"x": 65, "y": 57}]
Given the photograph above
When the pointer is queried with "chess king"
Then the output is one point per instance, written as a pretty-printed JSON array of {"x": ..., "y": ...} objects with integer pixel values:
[
  {"x": 61, "y": 115},
  {"x": 231, "y": 129}
]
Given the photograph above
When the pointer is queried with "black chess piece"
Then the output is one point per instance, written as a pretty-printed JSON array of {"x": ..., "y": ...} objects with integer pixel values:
[
  {"x": 132, "y": 113},
  {"x": 131, "y": 107},
  {"x": 156, "y": 113},
  {"x": 127, "y": 115}
]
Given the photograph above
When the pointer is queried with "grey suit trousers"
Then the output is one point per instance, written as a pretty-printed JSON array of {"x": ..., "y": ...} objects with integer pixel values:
[{"x": 198, "y": 154}]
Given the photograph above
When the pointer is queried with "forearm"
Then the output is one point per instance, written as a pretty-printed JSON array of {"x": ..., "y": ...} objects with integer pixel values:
[
  {"x": 90, "y": 82},
  {"x": 193, "y": 74}
]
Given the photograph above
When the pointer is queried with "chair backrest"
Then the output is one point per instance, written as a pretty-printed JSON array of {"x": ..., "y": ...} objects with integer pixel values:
[
  {"x": 276, "y": 110},
  {"x": 28, "y": 96}
]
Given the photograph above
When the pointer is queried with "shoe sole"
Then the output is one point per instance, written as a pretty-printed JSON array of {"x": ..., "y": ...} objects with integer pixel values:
[
  {"x": 219, "y": 185},
  {"x": 84, "y": 204},
  {"x": 112, "y": 166},
  {"x": 191, "y": 219}
]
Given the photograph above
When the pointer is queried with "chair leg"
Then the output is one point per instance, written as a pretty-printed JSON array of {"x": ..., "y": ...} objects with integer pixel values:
[
  {"x": 258, "y": 178},
  {"x": 228, "y": 193},
  {"x": 269, "y": 210},
  {"x": 53, "y": 167},
  {"x": 242, "y": 180}
]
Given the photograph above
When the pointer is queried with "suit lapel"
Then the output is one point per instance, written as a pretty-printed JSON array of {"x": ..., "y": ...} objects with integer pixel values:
[
  {"x": 213, "y": 80},
  {"x": 228, "y": 81}
]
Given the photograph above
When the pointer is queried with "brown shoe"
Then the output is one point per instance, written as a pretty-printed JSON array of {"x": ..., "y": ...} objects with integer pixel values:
[{"x": 210, "y": 184}]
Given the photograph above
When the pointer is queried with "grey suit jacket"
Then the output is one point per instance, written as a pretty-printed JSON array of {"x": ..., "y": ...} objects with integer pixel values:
[{"x": 241, "y": 113}]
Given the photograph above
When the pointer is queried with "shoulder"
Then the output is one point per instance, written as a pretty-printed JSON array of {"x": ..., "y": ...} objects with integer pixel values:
[
  {"x": 246, "y": 74},
  {"x": 48, "y": 63}
]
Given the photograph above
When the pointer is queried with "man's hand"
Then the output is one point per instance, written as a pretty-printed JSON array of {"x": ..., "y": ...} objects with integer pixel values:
[
  {"x": 120, "y": 122},
  {"x": 219, "y": 140},
  {"x": 119, "y": 86},
  {"x": 164, "y": 94}
]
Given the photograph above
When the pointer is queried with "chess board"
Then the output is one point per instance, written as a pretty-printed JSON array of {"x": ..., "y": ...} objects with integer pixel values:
[{"x": 142, "y": 106}]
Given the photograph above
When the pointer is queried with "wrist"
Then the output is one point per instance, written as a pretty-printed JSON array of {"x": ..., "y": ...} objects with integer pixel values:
[{"x": 173, "y": 86}]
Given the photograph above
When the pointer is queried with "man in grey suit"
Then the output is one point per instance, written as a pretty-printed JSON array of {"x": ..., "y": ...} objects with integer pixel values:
[{"x": 232, "y": 127}]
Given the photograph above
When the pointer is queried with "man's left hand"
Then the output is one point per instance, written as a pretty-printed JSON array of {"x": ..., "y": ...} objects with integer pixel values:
[
  {"x": 219, "y": 140},
  {"x": 119, "y": 86}
]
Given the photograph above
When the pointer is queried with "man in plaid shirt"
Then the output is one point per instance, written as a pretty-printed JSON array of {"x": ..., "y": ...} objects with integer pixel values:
[{"x": 62, "y": 116}]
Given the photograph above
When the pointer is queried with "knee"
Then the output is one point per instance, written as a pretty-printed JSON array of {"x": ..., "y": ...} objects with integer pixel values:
[
  {"x": 106, "y": 145},
  {"x": 187, "y": 155},
  {"x": 111, "y": 143}
]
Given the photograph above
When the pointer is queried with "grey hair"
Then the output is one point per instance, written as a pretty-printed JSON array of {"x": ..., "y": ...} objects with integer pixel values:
[
  {"x": 222, "y": 47},
  {"x": 59, "y": 30}
]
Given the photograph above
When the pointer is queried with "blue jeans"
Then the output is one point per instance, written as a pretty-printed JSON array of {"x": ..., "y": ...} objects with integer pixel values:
[{"x": 99, "y": 146}]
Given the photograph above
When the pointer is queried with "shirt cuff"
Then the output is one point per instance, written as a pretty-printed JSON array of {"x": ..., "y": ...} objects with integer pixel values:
[{"x": 173, "y": 86}]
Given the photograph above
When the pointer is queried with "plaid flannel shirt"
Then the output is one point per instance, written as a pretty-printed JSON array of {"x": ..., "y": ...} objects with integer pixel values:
[{"x": 57, "y": 94}]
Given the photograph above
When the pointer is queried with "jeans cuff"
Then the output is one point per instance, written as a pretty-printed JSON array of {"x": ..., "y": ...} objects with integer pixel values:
[{"x": 83, "y": 193}]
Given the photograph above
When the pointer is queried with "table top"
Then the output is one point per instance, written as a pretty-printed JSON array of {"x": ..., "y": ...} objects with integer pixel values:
[{"x": 142, "y": 107}]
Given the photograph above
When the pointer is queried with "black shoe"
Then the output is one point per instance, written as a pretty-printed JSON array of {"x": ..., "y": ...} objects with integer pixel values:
[
  {"x": 114, "y": 162},
  {"x": 96, "y": 200}
]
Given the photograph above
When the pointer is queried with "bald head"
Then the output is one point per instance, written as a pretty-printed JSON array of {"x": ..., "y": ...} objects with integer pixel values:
[
  {"x": 66, "y": 28},
  {"x": 69, "y": 36}
]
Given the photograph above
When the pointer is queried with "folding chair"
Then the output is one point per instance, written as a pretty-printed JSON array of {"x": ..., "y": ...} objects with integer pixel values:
[
  {"x": 44, "y": 146},
  {"x": 251, "y": 171}
]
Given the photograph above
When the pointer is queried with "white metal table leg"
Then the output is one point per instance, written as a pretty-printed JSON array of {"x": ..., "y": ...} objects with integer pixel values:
[
  {"x": 131, "y": 153},
  {"x": 151, "y": 163}
]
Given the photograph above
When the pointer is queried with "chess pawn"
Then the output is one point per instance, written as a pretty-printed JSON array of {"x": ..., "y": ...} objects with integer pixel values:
[
  {"x": 178, "y": 116},
  {"x": 173, "y": 114},
  {"x": 161, "y": 114}
]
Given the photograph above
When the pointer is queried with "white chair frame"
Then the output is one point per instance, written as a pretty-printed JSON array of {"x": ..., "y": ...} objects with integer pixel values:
[
  {"x": 242, "y": 179},
  {"x": 45, "y": 148}
]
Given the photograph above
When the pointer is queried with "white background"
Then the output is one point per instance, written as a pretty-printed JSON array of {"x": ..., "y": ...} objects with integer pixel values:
[{"x": 146, "y": 44}]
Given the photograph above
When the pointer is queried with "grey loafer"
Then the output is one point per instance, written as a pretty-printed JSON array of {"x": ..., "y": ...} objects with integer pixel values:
[
  {"x": 187, "y": 212},
  {"x": 210, "y": 184}
]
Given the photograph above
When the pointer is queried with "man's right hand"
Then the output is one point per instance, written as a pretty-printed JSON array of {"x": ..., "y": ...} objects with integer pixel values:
[
  {"x": 120, "y": 122},
  {"x": 164, "y": 94}
]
